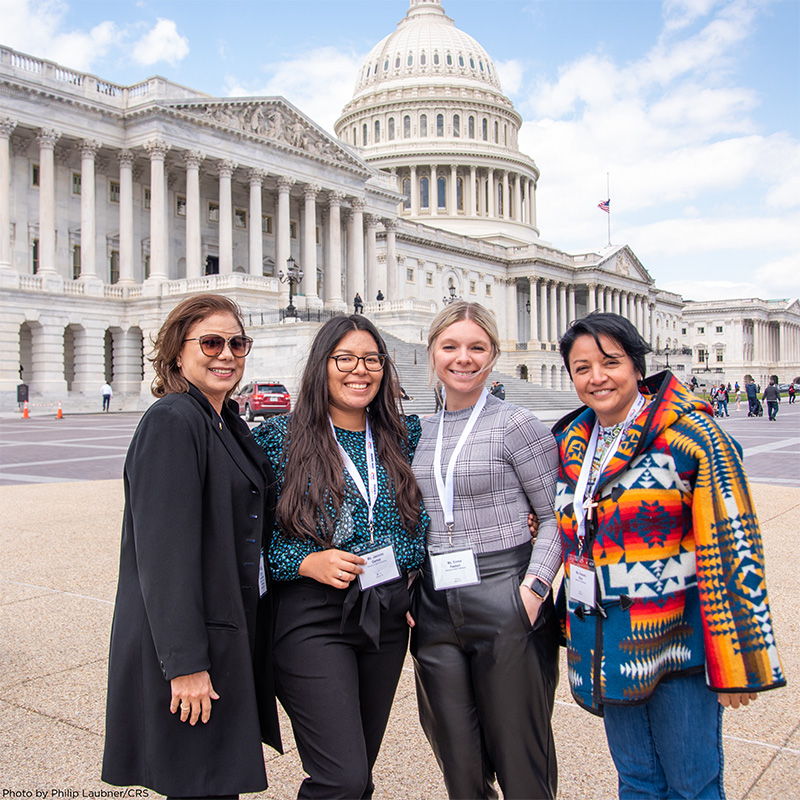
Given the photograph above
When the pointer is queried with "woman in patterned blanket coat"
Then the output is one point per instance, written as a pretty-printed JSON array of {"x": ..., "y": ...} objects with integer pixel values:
[{"x": 668, "y": 618}]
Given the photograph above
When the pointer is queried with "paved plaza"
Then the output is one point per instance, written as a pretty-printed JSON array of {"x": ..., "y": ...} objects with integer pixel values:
[{"x": 61, "y": 497}]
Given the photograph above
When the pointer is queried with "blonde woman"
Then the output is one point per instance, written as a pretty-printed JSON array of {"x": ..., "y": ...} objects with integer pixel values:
[{"x": 485, "y": 640}]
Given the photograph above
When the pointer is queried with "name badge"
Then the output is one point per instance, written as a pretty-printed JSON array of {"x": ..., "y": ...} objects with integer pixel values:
[
  {"x": 381, "y": 567},
  {"x": 262, "y": 576},
  {"x": 452, "y": 569},
  {"x": 581, "y": 581}
]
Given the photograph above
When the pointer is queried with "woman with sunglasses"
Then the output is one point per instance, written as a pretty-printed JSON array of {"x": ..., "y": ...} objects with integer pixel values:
[
  {"x": 190, "y": 694},
  {"x": 349, "y": 527}
]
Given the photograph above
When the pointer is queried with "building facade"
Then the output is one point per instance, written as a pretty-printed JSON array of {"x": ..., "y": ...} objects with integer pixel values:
[{"x": 116, "y": 202}]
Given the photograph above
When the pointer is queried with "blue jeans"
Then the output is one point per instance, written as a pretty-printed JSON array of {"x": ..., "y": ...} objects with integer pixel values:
[{"x": 670, "y": 746}]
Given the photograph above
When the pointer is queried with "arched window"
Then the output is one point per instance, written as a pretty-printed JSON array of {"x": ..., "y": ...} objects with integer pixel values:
[
  {"x": 397, "y": 62},
  {"x": 485, "y": 129},
  {"x": 480, "y": 64},
  {"x": 386, "y": 65},
  {"x": 460, "y": 194},
  {"x": 471, "y": 127},
  {"x": 364, "y": 132},
  {"x": 423, "y": 125},
  {"x": 456, "y": 125},
  {"x": 406, "y": 127},
  {"x": 440, "y": 124},
  {"x": 496, "y": 133},
  {"x": 436, "y": 59},
  {"x": 391, "y": 129},
  {"x": 423, "y": 60},
  {"x": 505, "y": 133},
  {"x": 449, "y": 60},
  {"x": 472, "y": 62},
  {"x": 410, "y": 59},
  {"x": 377, "y": 131},
  {"x": 499, "y": 211},
  {"x": 424, "y": 200},
  {"x": 355, "y": 134},
  {"x": 406, "y": 193},
  {"x": 441, "y": 192},
  {"x": 461, "y": 61}
]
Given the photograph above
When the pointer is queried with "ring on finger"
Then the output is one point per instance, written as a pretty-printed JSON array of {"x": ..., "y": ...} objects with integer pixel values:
[{"x": 341, "y": 575}]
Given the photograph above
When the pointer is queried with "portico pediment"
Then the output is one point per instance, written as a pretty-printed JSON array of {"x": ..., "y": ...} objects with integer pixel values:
[
  {"x": 272, "y": 120},
  {"x": 622, "y": 261}
]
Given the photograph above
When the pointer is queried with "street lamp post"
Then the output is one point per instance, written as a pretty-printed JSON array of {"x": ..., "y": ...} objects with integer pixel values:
[
  {"x": 451, "y": 296},
  {"x": 292, "y": 276}
]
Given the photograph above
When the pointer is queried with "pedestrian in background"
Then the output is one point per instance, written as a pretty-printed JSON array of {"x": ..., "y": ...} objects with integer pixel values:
[
  {"x": 358, "y": 304},
  {"x": 108, "y": 393},
  {"x": 791, "y": 393},
  {"x": 752, "y": 396},
  {"x": 773, "y": 397}
]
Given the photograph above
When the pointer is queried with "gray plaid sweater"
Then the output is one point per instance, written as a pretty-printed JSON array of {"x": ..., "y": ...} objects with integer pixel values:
[{"x": 508, "y": 465}]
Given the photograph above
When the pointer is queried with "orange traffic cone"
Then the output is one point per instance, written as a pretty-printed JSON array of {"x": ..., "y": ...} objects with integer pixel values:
[
  {"x": 25, "y": 414},
  {"x": 59, "y": 413}
]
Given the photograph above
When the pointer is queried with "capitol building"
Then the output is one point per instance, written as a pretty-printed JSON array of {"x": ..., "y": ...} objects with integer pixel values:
[{"x": 118, "y": 201}]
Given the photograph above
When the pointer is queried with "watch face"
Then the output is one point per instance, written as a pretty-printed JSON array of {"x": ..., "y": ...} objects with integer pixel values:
[{"x": 540, "y": 588}]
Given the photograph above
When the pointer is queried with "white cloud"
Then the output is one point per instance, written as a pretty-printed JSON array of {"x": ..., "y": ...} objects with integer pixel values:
[
  {"x": 710, "y": 290},
  {"x": 320, "y": 82},
  {"x": 35, "y": 28},
  {"x": 161, "y": 43},
  {"x": 510, "y": 74}
]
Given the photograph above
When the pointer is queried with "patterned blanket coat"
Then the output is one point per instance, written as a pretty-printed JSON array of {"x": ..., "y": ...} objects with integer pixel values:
[{"x": 678, "y": 557}]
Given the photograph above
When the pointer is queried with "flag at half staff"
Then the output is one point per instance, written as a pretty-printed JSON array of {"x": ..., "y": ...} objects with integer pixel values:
[{"x": 605, "y": 205}]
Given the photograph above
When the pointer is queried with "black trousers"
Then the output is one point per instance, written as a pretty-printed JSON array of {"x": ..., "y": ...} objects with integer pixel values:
[
  {"x": 486, "y": 682},
  {"x": 335, "y": 684}
]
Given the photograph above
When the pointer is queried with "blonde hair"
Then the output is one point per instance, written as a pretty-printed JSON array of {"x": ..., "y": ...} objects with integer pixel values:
[{"x": 457, "y": 312}]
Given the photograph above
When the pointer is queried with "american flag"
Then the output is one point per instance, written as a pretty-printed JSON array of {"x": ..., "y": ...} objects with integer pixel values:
[{"x": 605, "y": 205}]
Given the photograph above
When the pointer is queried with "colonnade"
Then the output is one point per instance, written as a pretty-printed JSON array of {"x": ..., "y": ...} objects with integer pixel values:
[
  {"x": 468, "y": 190},
  {"x": 774, "y": 341}
]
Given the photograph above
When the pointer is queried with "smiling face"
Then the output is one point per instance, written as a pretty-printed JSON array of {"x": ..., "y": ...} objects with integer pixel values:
[
  {"x": 214, "y": 376},
  {"x": 462, "y": 357},
  {"x": 607, "y": 381},
  {"x": 349, "y": 393}
]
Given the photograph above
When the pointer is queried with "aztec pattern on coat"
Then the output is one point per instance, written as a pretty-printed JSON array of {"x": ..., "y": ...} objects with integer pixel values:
[{"x": 678, "y": 557}]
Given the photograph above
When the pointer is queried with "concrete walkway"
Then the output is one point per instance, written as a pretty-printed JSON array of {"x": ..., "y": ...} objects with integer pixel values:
[{"x": 59, "y": 546}]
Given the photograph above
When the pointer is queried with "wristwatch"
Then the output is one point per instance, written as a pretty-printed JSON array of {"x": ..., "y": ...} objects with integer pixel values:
[{"x": 539, "y": 588}]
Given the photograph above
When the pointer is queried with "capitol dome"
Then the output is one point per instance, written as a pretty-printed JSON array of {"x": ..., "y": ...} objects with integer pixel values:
[{"x": 428, "y": 108}]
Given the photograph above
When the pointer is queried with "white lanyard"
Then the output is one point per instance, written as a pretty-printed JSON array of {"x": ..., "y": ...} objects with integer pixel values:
[
  {"x": 445, "y": 486},
  {"x": 586, "y": 467},
  {"x": 370, "y": 492}
]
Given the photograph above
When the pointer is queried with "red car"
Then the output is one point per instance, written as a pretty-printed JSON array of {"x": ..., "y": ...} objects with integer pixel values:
[{"x": 263, "y": 399}]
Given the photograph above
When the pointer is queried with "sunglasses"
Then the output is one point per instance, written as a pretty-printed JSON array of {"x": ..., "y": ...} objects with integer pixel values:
[{"x": 212, "y": 345}]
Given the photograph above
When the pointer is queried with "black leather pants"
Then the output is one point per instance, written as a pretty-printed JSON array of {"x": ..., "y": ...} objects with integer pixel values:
[{"x": 486, "y": 682}]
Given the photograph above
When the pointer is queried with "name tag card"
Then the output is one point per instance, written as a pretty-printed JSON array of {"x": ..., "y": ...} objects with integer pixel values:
[
  {"x": 381, "y": 567},
  {"x": 581, "y": 582},
  {"x": 454, "y": 568},
  {"x": 262, "y": 576}
]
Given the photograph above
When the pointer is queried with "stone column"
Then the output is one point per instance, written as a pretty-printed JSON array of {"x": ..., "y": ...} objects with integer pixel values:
[
  {"x": 126, "y": 259},
  {"x": 333, "y": 273},
  {"x": 473, "y": 191},
  {"x": 517, "y": 197},
  {"x": 491, "y": 194},
  {"x": 591, "y": 300},
  {"x": 614, "y": 301},
  {"x": 562, "y": 309},
  {"x": 433, "y": 193},
  {"x": 511, "y": 311},
  {"x": 194, "y": 250},
  {"x": 282, "y": 227},
  {"x": 88, "y": 149},
  {"x": 127, "y": 361},
  {"x": 414, "y": 191},
  {"x": 157, "y": 150},
  {"x": 553, "y": 311},
  {"x": 47, "y": 139},
  {"x": 355, "y": 250},
  {"x": 533, "y": 204},
  {"x": 310, "y": 192},
  {"x": 454, "y": 190},
  {"x": 256, "y": 239},
  {"x": 90, "y": 352},
  {"x": 391, "y": 260},
  {"x": 7, "y": 126},
  {"x": 544, "y": 316},
  {"x": 572, "y": 313},
  {"x": 47, "y": 355},
  {"x": 225, "y": 170},
  {"x": 506, "y": 196},
  {"x": 372, "y": 221},
  {"x": 527, "y": 193},
  {"x": 534, "y": 308}
]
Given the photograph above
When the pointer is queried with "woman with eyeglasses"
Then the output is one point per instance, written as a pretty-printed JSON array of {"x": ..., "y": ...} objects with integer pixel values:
[
  {"x": 190, "y": 691},
  {"x": 349, "y": 527}
]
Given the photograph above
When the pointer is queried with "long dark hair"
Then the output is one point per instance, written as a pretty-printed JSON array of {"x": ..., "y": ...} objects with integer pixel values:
[{"x": 313, "y": 478}]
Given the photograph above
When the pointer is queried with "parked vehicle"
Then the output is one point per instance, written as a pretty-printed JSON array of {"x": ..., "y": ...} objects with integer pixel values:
[{"x": 263, "y": 399}]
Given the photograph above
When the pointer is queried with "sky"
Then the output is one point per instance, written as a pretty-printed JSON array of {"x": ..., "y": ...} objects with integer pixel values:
[{"x": 689, "y": 110}]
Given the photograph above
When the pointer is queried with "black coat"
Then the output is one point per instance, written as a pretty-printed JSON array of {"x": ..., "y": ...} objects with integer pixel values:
[{"x": 199, "y": 505}]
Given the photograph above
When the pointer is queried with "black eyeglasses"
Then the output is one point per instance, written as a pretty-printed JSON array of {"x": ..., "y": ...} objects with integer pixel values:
[
  {"x": 212, "y": 345},
  {"x": 373, "y": 362}
]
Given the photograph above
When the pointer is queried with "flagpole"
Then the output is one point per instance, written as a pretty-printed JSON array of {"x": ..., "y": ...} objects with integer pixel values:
[{"x": 608, "y": 195}]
